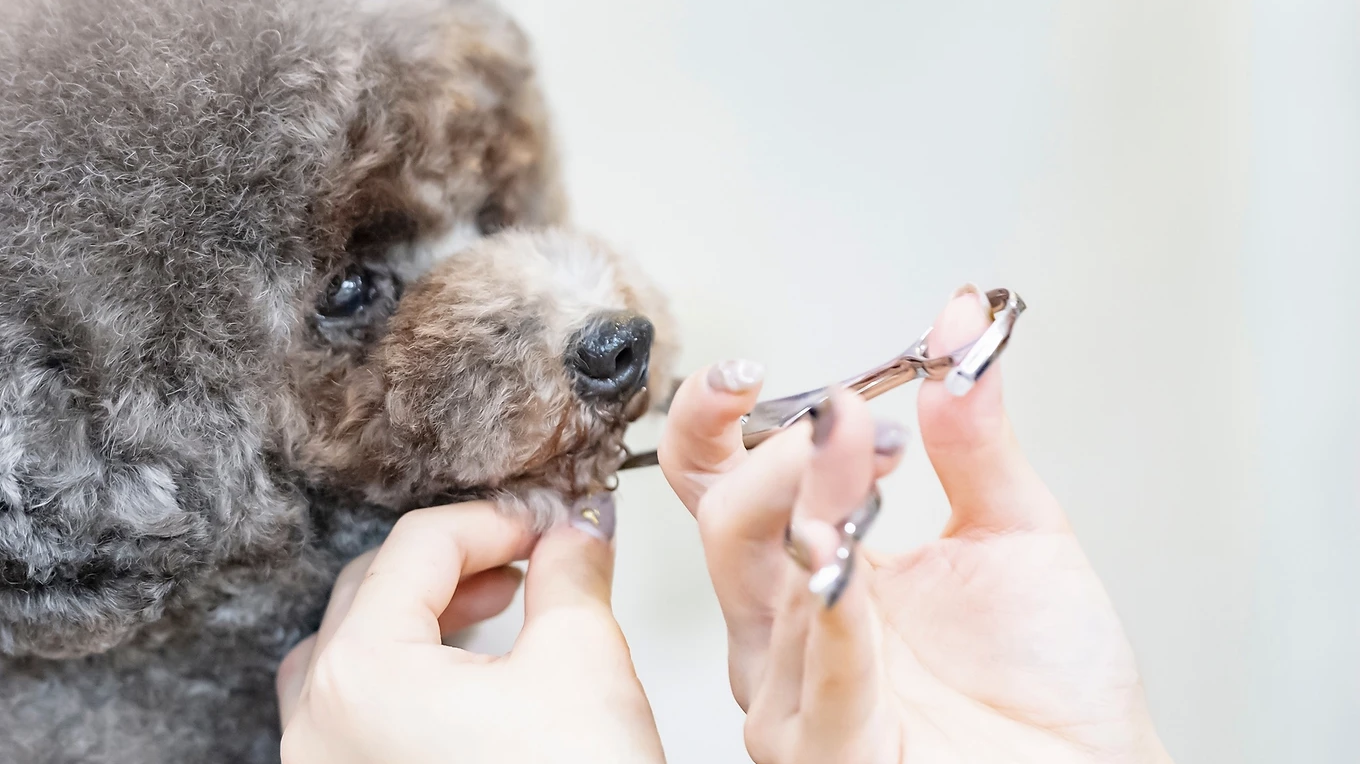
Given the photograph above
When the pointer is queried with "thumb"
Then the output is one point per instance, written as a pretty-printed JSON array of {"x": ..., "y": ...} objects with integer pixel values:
[
  {"x": 990, "y": 484},
  {"x": 571, "y": 573},
  {"x": 702, "y": 436}
]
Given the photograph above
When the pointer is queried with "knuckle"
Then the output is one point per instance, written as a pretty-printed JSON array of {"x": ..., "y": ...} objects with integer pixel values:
[
  {"x": 354, "y": 570},
  {"x": 298, "y": 654},
  {"x": 295, "y": 747},
  {"x": 444, "y": 518},
  {"x": 717, "y": 516},
  {"x": 742, "y": 681},
  {"x": 415, "y": 520},
  {"x": 295, "y": 660},
  {"x": 590, "y": 622},
  {"x": 761, "y": 745},
  {"x": 347, "y": 583}
]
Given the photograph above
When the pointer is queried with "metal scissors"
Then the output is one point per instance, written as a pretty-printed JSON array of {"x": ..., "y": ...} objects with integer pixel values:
[{"x": 960, "y": 370}]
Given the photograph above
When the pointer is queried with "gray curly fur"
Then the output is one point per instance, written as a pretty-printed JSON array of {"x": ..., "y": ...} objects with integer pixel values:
[{"x": 189, "y": 450}]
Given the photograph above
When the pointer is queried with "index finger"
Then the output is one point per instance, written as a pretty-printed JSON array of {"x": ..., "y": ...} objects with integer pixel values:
[{"x": 413, "y": 578}]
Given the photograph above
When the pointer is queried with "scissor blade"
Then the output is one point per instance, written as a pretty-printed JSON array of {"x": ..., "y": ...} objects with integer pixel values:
[{"x": 644, "y": 459}]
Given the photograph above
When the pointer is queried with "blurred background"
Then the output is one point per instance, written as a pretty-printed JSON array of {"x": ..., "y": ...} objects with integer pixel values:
[{"x": 1172, "y": 185}]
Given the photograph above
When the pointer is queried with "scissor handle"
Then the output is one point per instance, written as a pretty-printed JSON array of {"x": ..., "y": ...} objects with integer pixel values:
[{"x": 960, "y": 370}]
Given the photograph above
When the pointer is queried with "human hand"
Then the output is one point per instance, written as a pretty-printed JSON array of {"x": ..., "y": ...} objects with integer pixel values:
[
  {"x": 376, "y": 684},
  {"x": 995, "y": 642}
]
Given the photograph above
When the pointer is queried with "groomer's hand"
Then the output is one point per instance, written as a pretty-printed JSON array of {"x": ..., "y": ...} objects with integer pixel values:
[
  {"x": 376, "y": 684},
  {"x": 995, "y": 642}
]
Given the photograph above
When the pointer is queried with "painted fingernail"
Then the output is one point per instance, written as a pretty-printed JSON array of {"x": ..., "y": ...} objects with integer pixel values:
[
  {"x": 736, "y": 376},
  {"x": 595, "y": 515},
  {"x": 823, "y": 417},
  {"x": 971, "y": 288},
  {"x": 829, "y": 583},
  {"x": 857, "y": 523},
  {"x": 889, "y": 437}
]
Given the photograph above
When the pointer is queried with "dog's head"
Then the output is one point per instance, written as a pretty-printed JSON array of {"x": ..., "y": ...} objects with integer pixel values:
[
  {"x": 514, "y": 361},
  {"x": 457, "y": 337},
  {"x": 250, "y": 248},
  {"x": 305, "y": 238}
]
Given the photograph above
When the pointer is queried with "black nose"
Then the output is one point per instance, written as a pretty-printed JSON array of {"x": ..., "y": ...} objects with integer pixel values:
[{"x": 610, "y": 356}]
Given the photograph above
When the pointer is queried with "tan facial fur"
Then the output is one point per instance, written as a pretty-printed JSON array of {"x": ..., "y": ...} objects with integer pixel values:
[{"x": 460, "y": 388}]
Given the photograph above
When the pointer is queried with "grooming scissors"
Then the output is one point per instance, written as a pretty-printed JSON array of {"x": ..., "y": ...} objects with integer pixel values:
[{"x": 960, "y": 370}]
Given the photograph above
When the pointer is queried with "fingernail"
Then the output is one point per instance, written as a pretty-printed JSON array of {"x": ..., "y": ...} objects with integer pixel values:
[
  {"x": 971, "y": 288},
  {"x": 595, "y": 515},
  {"x": 736, "y": 376},
  {"x": 857, "y": 523},
  {"x": 829, "y": 583},
  {"x": 889, "y": 437},
  {"x": 823, "y": 421}
]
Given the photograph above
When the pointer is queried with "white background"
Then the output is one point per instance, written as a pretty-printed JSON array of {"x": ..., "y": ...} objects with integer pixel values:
[{"x": 1172, "y": 185}]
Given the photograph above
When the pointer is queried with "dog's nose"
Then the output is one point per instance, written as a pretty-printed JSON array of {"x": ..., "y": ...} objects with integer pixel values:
[{"x": 610, "y": 356}]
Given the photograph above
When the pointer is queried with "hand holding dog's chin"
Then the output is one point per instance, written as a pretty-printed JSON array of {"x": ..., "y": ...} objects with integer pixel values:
[{"x": 376, "y": 684}]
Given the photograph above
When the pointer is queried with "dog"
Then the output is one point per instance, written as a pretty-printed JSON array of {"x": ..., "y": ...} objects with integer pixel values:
[{"x": 272, "y": 272}]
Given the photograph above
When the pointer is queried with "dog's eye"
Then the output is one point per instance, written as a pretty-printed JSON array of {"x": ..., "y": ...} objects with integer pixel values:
[{"x": 349, "y": 295}]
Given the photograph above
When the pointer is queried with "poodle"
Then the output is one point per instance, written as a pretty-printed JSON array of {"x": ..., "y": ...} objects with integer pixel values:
[{"x": 272, "y": 272}]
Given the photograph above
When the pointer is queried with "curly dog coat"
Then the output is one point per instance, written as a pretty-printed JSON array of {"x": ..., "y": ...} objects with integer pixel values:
[{"x": 271, "y": 273}]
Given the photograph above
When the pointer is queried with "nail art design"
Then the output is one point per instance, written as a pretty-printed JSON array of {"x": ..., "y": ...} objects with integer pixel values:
[
  {"x": 736, "y": 376},
  {"x": 829, "y": 583},
  {"x": 595, "y": 515},
  {"x": 889, "y": 438},
  {"x": 857, "y": 523},
  {"x": 823, "y": 417},
  {"x": 971, "y": 288}
]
